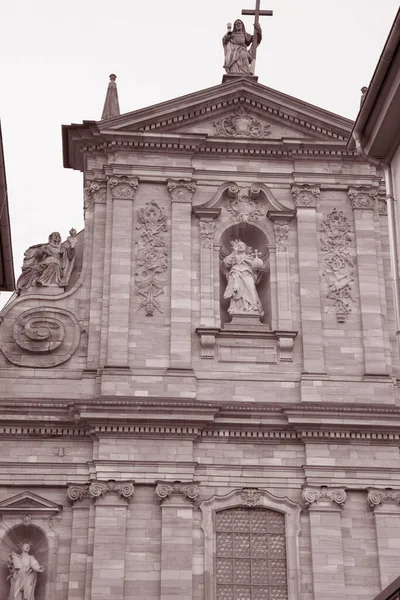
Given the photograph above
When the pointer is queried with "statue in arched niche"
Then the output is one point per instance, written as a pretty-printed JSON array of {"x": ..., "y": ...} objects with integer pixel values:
[
  {"x": 244, "y": 271},
  {"x": 23, "y": 570}
]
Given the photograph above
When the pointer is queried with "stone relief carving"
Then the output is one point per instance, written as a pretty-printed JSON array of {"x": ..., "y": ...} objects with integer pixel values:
[
  {"x": 324, "y": 494},
  {"x": 76, "y": 493},
  {"x": 243, "y": 203},
  {"x": 181, "y": 190},
  {"x": 152, "y": 257},
  {"x": 23, "y": 569},
  {"x": 363, "y": 197},
  {"x": 41, "y": 337},
  {"x": 241, "y": 124},
  {"x": 123, "y": 187},
  {"x": 207, "y": 229},
  {"x": 93, "y": 192},
  {"x": 281, "y": 236},
  {"x": 250, "y": 497},
  {"x": 100, "y": 489},
  {"x": 187, "y": 490},
  {"x": 48, "y": 265},
  {"x": 243, "y": 270},
  {"x": 338, "y": 264},
  {"x": 306, "y": 195},
  {"x": 382, "y": 207},
  {"x": 379, "y": 497}
]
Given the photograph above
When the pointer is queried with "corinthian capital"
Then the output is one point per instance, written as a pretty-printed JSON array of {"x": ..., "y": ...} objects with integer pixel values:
[
  {"x": 181, "y": 190},
  {"x": 324, "y": 495},
  {"x": 123, "y": 187},
  {"x": 378, "y": 497},
  {"x": 189, "y": 491},
  {"x": 362, "y": 197},
  {"x": 305, "y": 196}
]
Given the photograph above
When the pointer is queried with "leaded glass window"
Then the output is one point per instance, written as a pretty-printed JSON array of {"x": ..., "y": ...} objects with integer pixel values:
[{"x": 251, "y": 554}]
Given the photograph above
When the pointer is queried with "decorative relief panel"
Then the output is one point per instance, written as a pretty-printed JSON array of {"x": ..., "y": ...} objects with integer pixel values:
[
  {"x": 338, "y": 264},
  {"x": 363, "y": 197},
  {"x": 41, "y": 337},
  {"x": 190, "y": 491},
  {"x": 324, "y": 495},
  {"x": 241, "y": 124},
  {"x": 152, "y": 257},
  {"x": 207, "y": 229},
  {"x": 382, "y": 208},
  {"x": 305, "y": 195},
  {"x": 243, "y": 203},
  {"x": 95, "y": 191},
  {"x": 378, "y": 497},
  {"x": 123, "y": 187},
  {"x": 281, "y": 236},
  {"x": 181, "y": 190}
]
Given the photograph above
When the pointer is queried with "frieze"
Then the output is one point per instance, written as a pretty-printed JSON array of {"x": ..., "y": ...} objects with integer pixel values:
[
  {"x": 241, "y": 124},
  {"x": 378, "y": 497},
  {"x": 363, "y": 197},
  {"x": 338, "y": 266},
  {"x": 189, "y": 491},
  {"x": 181, "y": 190},
  {"x": 152, "y": 257},
  {"x": 123, "y": 187},
  {"x": 243, "y": 202},
  {"x": 315, "y": 496},
  {"x": 306, "y": 196}
]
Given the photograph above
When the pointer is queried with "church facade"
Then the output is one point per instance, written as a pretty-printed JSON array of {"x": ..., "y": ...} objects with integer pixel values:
[{"x": 199, "y": 395}]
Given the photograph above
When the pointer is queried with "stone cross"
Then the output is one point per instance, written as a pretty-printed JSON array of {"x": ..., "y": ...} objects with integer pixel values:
[{"x": 257, "y": 13}]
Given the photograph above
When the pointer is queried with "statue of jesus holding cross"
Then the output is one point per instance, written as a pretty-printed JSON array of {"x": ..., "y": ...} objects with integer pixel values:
[{"x": 238, "y": 59}]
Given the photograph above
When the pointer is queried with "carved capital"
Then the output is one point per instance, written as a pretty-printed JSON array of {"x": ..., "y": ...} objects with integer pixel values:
[
  {"x": 281, "y": 236},
  {"x": 123, "y": 187},
  {"x": 363, "y": 197},
  {"x": 324, "y": 495},
  {"x": 250, "y": 497},
  {"x": 100, "y": 489},
  {"x": 378, "y": 497},
  {"x": 94, "y": 192},
  {"x": 77, "y": 492},
  {"x": 189, "y": 491},
  {"x": 305, "y": 196},
  {"x": 181, "y": 190}
]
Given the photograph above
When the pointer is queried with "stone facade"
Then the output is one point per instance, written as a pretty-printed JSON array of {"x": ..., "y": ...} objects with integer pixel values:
[{"x": 159, "y": 447}]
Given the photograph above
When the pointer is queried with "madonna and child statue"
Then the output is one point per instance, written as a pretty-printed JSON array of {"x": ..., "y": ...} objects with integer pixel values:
[{"x": 244, "y": 270}]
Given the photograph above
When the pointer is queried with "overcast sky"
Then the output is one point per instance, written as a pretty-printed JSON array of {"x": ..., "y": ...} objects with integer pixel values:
[{"x": 56, "y": 58}]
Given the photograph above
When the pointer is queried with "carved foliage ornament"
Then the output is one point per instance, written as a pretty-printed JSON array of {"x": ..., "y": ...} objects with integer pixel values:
[
  {"x": 378, "y": 497},
  {"x": 207, "y": 228},
  {"x": 338, "y": 264},
  {"x": 152, "y": 257},
  {"x": 190, "y": 491},
  {"x": 181, "y": 190},
  {"x": 95, "y": 191},
  {"x": 243, "y": 203},
  {"x": 123, "y": 187},
  {"x": 363, "y": 197},
  {"x": 281, "y": 236},
  {"x": 241, "y": 124},
  {"x": 305, "y": 195},
  {"x": 250, "y": 497},
  {"x": 313, "y": 496}
]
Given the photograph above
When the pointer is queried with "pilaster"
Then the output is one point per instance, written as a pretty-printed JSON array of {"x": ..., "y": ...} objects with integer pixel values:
[
  {"x": 181, "y": 193},
  {"x": 79, "y": 569},
  {"x": 177, "y": 500},
  {"x": 385, "y": 504},
  {"x": 122, "y": 191},
  {"x": 324, "y": 507},
  {"x": 306, "y": 198},
  {"x": 111, "y": 506},
  {"x": 363, "y": 200}
]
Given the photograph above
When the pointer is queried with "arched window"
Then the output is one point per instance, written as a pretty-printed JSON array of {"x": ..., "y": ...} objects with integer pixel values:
[{"x": 250, "y": 554}]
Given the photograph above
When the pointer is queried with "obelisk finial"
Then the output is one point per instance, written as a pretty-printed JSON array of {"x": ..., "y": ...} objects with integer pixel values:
[{"x": 111, "y": 104}]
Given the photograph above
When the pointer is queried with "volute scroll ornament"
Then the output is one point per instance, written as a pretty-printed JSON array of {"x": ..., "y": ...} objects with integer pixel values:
[
  {"x": 189, "y": 491},
  {"x": 181, "y": 190},
  {"x": 363, "y": 197},
  {"x": 95, "y": 191},
  {"x": 306, "y": 196},
  {"x": 243, "y": 203},
  {"x": 315, "y": 496},
  {"x": 77, "y": 492},
  {"x": 100, "y": 489},
  {"x": 123, "y": 187},
  {"x": 378, "y": 497}
]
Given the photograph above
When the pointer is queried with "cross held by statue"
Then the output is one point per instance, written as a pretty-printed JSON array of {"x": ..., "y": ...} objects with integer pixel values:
[{"x": 257, "y": 13}]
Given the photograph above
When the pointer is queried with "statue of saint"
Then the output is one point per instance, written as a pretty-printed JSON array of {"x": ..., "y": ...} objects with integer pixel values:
[
  {"x": 237, "y": 58},
  {"x": 23, "y": 574},
  {"x": 48, "y": 265},
  {"x": 245, "y": 270}
]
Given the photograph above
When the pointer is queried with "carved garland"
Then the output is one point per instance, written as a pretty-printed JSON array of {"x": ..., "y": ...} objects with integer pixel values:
[
  {"x": 338, "y": 264},
  {"x": 152, "y": 257}
]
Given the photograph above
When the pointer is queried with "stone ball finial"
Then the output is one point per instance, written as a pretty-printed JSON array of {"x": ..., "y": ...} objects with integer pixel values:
[{"x": 113, "y": 77}]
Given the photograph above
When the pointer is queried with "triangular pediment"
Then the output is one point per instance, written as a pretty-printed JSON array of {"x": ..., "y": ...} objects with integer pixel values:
[
  {"x": 238, "y": 109},
  {"x": 27, "y": 502}
]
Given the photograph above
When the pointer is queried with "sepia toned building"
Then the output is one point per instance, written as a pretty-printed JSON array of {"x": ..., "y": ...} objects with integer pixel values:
[{"x": 199, "y": 391}]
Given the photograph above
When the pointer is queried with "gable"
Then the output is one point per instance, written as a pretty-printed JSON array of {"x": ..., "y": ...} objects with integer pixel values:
[{"x": 28, "y": 502}]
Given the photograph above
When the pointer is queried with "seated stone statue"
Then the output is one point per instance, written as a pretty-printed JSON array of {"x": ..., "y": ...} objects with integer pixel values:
[
  {"x": 245, "y": 271},
  {"x": 23, "y": 574},
  {"x": 48, "y": 265}
]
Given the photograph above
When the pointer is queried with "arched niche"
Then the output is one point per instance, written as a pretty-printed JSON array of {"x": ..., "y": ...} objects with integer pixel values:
[
  {"x": 255, "y": 238},
  {"x": 12, "y": 542}
]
